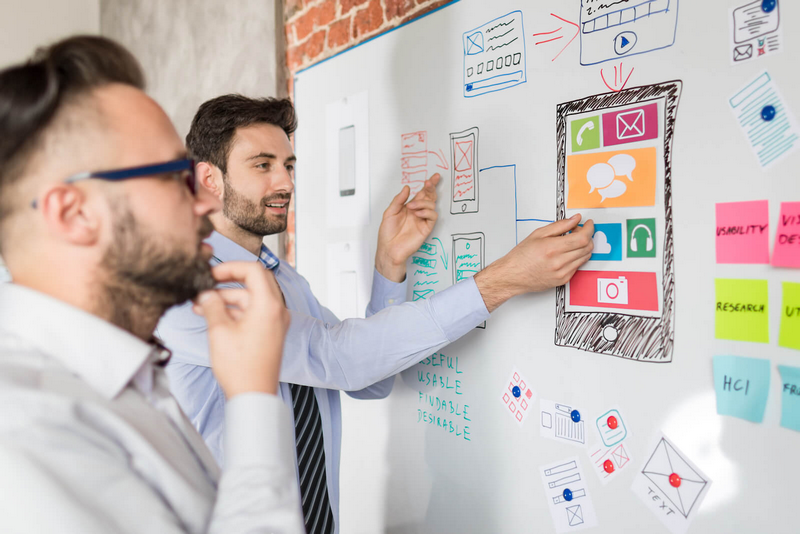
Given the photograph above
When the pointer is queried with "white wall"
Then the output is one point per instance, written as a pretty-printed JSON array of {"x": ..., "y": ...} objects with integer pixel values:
[{"x": 28, "y": 24}]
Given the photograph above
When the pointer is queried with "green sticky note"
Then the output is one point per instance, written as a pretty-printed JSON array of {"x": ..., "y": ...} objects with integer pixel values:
[
  {"x": 641, "y": 238},
  {"x": 742, "y": 312},
  {"x": 742, "y": 386},
  {"x": 790, "y": 317},
  {"x": 790, "y": 397},
  {"x": 585, "y": 134}
]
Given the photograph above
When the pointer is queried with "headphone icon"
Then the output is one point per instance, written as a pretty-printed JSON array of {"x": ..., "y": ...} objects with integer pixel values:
[{"x": 634, "y": 244}]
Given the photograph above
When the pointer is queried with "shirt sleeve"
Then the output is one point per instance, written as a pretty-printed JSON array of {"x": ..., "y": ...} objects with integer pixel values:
[
  {"x": 258, "y": 491},
  {"x": 356, "y": 353}
]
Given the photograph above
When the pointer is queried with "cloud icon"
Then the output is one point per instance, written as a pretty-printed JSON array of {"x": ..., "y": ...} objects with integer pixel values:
[{"x": 601, "y": 244}]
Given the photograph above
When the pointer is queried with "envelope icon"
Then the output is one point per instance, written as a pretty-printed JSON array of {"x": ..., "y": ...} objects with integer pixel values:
[
  {"x": 630, "y": 124},
  {"x": 664, "y": 462},
  {"x": 575, "y": 515},
  {"x": 422, "y": 294},
  {"x": 463, "y": 155},
  {"x": 474, "y": 44},
  {"x": 620, "y": 456},
  {"x": 742, "y": 52}
]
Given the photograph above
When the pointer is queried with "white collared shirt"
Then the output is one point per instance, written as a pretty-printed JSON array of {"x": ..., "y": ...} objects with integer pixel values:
[{"x": 91, "y": 441}]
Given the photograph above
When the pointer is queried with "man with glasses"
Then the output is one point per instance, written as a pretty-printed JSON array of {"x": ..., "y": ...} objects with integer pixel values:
[
  {"x": 245, "y": 159},
  {"x": 102, "y": 229}
]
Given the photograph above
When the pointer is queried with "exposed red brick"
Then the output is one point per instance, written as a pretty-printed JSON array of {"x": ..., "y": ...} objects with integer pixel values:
[
  {"x": 339, "y": 33},
  {"x": 368, "y": 19},
  {"x": 304, "y": 25},
  {"x": 398, "y": 8},
  {"x": 289, "y": 35},
  {"x": 315, "y": 45},
  {"x": 429, "y": 6},
  {"x": 291, "y": 8},
  {"x": 326, "y": 12},
  {"x": 347, "y": 5},
  {"x": 294, "y": 58}
]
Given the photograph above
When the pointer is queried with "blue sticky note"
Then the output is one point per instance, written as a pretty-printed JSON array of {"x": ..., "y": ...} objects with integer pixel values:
[
  {"x": 742, "y": 386},
  {"x": 790, "y": 397},
  {"x": 607, "y": 242}
]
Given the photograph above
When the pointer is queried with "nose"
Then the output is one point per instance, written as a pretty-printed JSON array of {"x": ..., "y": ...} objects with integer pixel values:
[
  {"x": 284, "y": 181},
  {"x": 205, "y": 203}
]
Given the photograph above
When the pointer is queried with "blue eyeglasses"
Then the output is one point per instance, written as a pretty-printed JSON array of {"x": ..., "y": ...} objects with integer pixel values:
[{"x": 181, "y": 169}]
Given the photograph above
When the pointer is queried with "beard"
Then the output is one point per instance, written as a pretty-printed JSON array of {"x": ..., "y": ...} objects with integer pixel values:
[
  {"x": 145, "y": 269},
  {"x": 249, "y": 215}
]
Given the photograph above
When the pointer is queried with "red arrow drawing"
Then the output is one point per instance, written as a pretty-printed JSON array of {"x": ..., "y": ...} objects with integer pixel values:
[
  {"x": 619, "y": 84},
  {"x": 555, "y": 36},
  {"x": 442, "y": 159}
]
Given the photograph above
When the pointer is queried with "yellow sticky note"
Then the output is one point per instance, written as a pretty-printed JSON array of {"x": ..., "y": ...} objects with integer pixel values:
[
  {"x": 742, "y": 311},
  {"x": 790, "y": 316}
]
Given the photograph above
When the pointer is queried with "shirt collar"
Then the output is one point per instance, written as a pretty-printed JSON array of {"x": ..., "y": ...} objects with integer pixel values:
[
  {"x": 103, "y": 355},
  {"x": 228, "y": 250}
]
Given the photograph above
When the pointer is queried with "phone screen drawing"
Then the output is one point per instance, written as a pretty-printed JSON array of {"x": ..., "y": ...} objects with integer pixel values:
[{"x": 615, "y": 167}]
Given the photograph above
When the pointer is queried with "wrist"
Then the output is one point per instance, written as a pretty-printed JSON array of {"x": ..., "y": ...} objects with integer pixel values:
[
  {"x": 494, "y": 285},
  {"x": 390, "y": 269}
]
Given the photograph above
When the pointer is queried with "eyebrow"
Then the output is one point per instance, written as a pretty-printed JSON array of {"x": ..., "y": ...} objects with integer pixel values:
[{"x": 270, "y": 156}]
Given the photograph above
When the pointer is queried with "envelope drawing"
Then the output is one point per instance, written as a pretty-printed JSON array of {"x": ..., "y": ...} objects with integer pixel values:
[
  {"x": 422, "y": 294},
  {"x": 474, "y": 43},
  {"x": 574, "y": 515},
  {"x": 630, "y": 124},
  {"x": 664, "y": 462},
  {"x": 742, "y": 52},
  {"x": 463, "y": 155},
  {"x": 620, "y": 456}
]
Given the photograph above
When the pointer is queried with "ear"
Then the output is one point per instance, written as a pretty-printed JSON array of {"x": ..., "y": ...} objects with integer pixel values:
[
  {"x": 209, "y": 177},
  {"x": 67, "y": 214}
]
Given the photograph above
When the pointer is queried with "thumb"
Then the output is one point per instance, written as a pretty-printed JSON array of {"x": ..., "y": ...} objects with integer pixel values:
[
  {"x": 212, "y": 307},
  {"x": 397, "y": 202},
  {"x": 560, "y": 227}
]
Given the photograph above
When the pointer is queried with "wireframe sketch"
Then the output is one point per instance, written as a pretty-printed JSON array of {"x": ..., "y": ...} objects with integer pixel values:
[
  {"x": 613, "y": 30},
  {"x": 755, "y": 31},
  {"x": 623, "y": 302},
  {"x": 426, "y": 263},
  {"x": 568, "y": 496},
  {"x": 464, "y": 175},
  {"x": 468, "y": 257},
  {"x": 671, "y": 485},
  {"x": 494, "y": 55},
  {"x": 562, "y": 422},
  {"x": 518, "y": 397}
]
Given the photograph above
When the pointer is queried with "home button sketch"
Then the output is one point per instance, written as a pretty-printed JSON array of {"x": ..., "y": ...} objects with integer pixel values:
[
  {"x": 624, "y": 43},
  {"x": 610, "y": 334}
]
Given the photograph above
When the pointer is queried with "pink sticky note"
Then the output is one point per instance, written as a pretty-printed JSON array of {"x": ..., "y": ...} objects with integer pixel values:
[
  {"x": 787, "y": 240},
  {"x": 743, "y": 232}
]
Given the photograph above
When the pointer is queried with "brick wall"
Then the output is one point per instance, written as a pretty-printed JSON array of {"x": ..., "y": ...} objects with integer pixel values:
[{"x": 318, "y": 29}]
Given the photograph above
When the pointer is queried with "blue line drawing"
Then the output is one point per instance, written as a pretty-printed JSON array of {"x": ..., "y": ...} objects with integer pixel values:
[
  {"x": 610, "y": 32},
  {"x": 772, "y": 137},
  {"x": 494, "y": 56}
]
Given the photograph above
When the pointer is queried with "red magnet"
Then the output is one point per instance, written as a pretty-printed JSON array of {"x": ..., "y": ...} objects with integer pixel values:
[
  {"x": 612, "y": 422},
  {"x": 675, "y": 480},
  {"x": 608, "y": 466}
]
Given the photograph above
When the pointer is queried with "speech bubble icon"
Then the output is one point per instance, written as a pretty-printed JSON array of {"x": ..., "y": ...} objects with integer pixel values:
[
  {"x": 623, "y": 165},
  {"x": 616, "y": 189},
  {"x": 600, "y": 175}
]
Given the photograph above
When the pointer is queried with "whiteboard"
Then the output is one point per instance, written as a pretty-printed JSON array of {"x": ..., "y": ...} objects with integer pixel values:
[{"x": 518, "y": 132}]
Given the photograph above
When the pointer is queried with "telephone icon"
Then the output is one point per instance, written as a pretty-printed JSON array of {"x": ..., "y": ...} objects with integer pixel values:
[{"x": 588, "y": 126}]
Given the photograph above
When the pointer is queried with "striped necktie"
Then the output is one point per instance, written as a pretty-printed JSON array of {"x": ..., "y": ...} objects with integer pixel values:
[{"x": 317, "y": 511}]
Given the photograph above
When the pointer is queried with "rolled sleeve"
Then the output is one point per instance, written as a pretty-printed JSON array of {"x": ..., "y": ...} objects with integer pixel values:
[
  {"x": 385, "y": 293},
  {"x": 459, "y": 309}
]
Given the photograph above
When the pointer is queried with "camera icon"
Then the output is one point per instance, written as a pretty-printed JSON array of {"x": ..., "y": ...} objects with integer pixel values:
[{"x": 612, "y": 290}]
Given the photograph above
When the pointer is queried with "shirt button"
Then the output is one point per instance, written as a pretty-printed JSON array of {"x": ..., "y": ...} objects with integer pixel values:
[{"x": 391, "y": 301}]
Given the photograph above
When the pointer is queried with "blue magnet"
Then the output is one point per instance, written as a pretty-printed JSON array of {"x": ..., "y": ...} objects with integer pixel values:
[
  {"x": 768, "y": 113},
  {"x": 768, "y": 5},
  {"x": 567, "y": 495},
  {"x": 576, "y": 416},
  {"x": 516, "y": 392}
]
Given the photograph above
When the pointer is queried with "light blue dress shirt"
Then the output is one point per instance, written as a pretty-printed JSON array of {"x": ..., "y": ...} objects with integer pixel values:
[{"x": 359, "y": 356}]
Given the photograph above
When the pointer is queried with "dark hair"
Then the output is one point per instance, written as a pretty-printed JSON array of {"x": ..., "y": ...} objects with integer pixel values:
[
  {"x": 215, "y": 124},
  {"x": 33, "y": 93}
]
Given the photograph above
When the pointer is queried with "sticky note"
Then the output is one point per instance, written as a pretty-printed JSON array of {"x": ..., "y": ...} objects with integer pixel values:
[
  {"x": 615, "y": 179},
  {"x": 790, "y": 397},
  {"x": 790, "y": 317},
  {"x": 742, "y": 312},
  {"x": 743, "y": 232},
  {"x": 607, "y": 240},
  {"x": 742, "y": 386},
  {"x": 787, "y": 240}
]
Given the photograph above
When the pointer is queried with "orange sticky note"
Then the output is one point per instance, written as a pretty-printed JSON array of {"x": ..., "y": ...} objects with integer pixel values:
[
  {"x": 613, "y": 179},
  {"x": 787, "y": 240}
]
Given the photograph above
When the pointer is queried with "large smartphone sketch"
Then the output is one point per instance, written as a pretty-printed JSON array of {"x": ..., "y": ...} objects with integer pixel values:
[{"x": 615, "y": 166}]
